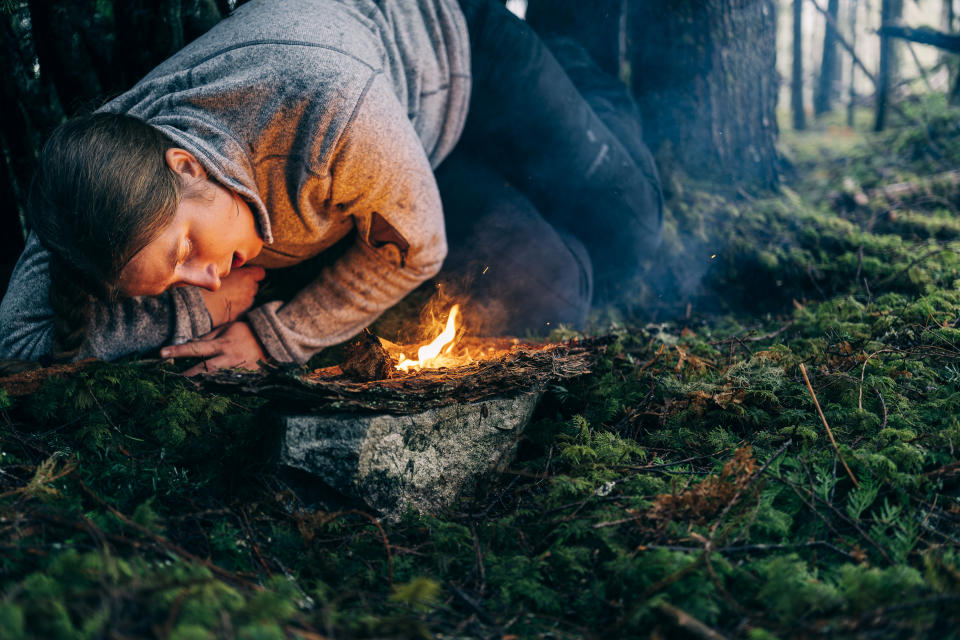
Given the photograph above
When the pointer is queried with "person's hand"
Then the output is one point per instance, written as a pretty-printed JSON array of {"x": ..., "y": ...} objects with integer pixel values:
[
  {"x": 231, "y": 346},
  {"x": 234, "y": 296}
]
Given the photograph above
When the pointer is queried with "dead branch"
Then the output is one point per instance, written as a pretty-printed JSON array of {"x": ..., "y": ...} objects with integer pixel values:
[
  {"x": 902, "y": 191},
  {"x": 843, "y": 43},
  {"x": 839, "y": 514},
  {"x": 875, "y": 616},
  {"x": 688, "y": 623},
  {"x": 856, "y": 59},
  {"x": 884, "y": 405},
  {"x": 912, "y": 264},
  {"x": 744, "y": 487},
  {"x": 169, "y": 546},
  {"x": 383, "y": 536},
  {"x": 666, "y": 581},
  {"x": 473, "y": 604},
  {"x": 863, "y": 372},
  {"x": 766, "y": 336},
  {"x": 923, "y": 35},
  {"x": 823, "y": 418},
  {"x": 923, "y": 72}
]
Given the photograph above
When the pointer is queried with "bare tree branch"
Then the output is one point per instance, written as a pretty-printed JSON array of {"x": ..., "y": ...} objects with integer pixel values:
[{"x": 923, "y": 35}]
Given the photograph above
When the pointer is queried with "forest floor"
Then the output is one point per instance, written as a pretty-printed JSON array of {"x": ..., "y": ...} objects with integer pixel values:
[{"x": 687, "y": 488}]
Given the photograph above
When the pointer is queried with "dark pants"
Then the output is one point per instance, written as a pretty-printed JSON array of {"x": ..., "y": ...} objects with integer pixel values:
[{"x": 551, "y": 189}]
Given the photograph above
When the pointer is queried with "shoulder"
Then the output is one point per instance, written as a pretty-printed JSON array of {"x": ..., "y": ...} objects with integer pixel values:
[{"x": 285, "y": 33}]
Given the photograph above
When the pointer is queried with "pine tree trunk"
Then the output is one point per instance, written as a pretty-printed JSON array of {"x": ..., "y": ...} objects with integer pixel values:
[
  {"x": 11, "y": 238},
  {"x": 890, "y": 11},
  {"x": 852, "y": 89},
  {"x": 829, "y": 63},
  {"x": 62, "y": 57},
  {"x": 796, "y": 71},
  {"x": 149, "y": 31},
  {"x": 705, "y": 76},
  {"x": 30, "y": 111},
  {"x": 950, "y": 59},
  {"x": 16, "y": 155}
]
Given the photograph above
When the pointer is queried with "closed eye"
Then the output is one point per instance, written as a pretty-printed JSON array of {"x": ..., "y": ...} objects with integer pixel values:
[{"x": 184, "y": 251}]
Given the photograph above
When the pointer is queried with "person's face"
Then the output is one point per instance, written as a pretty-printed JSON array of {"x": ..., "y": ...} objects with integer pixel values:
[{"x": 208, "y": 236}]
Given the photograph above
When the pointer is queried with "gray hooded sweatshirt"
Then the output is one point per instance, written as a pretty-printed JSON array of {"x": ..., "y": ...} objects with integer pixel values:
[{"x": 326, "y": 116}]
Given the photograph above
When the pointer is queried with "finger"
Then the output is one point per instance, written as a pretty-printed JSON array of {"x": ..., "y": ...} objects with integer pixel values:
[
  {"x": 225, "y": 361},
  {"x": 195, "y": 349},
  {"x": 207, "y": 366}
]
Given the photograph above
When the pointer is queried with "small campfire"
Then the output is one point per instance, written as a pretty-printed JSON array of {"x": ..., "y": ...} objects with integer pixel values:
[
  {"x": 450, "y": 367},
  {"x": 432, "y": 355},
  {"x": 399, "y": 431},
  {"x": 374, "y": 358}
]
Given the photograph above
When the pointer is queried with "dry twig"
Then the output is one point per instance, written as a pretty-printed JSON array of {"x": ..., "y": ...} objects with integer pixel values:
[
  {"x": 823, "y": 418},
  {"x": 688, "y": 623}
]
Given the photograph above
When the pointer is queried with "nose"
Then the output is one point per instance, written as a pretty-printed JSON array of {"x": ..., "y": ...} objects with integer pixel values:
[{"x": 207, "y": 277}]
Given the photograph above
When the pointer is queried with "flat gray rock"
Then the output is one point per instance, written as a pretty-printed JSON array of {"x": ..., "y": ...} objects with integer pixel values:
[{"x": 421, "y": 460}]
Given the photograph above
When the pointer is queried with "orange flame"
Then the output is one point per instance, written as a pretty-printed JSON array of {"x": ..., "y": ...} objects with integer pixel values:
[{"x": 427, "y": 353}]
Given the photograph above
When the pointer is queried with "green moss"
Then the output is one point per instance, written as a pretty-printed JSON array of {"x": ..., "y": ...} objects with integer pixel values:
[{"x": 135, "y": 503}]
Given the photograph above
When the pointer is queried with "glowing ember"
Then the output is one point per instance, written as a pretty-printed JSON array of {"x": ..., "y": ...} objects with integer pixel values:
[{"x": 428, "y": 353}]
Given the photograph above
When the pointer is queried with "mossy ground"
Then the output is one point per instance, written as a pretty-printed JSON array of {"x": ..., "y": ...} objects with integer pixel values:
[{"x": 689, "y": 474}]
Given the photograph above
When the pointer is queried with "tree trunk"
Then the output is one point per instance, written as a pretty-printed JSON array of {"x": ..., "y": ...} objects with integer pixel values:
[
  {"x": 31, "y": 110},
  {"x": 889, "y": 14},
  {"x": 829, "y": 64},
  {"x": 852, "y": 90},
  {"x": 705, "y": 75},
  {"x": 11, "y": 234},
  {"x": 146, "y": 34},
  {"x": 16, "y": 149},
  {"x": 949, "y": 59},
  {"x": 199, "y": 16},
  {"x": 62, "y": 54},
  {"x": 796, "y": 75}
]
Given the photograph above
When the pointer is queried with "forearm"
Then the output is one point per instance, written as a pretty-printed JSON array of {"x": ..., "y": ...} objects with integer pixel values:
[
  {"x": 131, "y": 325},
  {"x": 346, "y": 297},
  {"x": 138, "y": 325}
]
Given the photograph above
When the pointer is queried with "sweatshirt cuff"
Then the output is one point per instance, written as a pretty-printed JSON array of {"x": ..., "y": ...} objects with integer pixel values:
[
  {"x": 191, "y": 319},
  {"x": 262, "y": 321}
]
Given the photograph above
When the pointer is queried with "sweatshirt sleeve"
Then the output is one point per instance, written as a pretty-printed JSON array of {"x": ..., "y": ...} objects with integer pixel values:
[
  {"x": 382, "y": 179},
  {"x": 130, "y": 325}
]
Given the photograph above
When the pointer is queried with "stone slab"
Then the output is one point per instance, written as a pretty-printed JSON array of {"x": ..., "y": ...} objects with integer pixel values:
[{"x": 422, "y": 460}]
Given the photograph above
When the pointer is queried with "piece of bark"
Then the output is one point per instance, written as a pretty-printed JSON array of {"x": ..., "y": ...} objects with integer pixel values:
[
  {"x": 516, "y": 368},
  {"x": 28, "y": 377},
  {"x": 366, "y": 359}
]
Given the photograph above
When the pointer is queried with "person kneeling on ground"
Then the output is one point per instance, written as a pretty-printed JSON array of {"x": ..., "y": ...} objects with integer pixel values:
[{"x": 389, "y": 128}]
